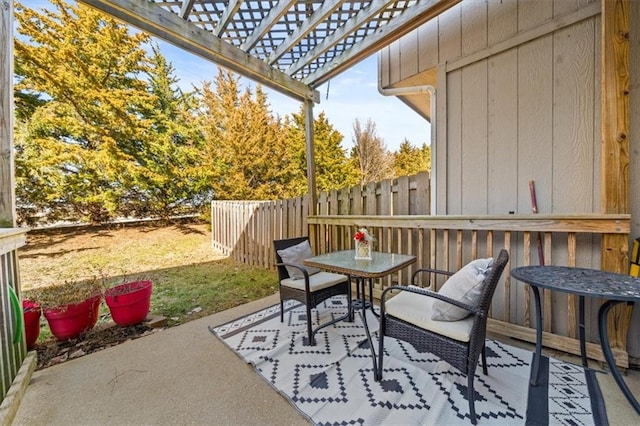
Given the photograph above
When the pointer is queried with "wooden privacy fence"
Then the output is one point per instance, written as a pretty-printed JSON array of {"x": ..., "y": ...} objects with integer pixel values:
[
  {"x": 245, "y": 230},
  {"x": 13, "y": 348}
]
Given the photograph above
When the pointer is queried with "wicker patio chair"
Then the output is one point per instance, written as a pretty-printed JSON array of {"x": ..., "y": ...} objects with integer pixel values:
[
  {"x": 459, "y": 343},
  {"x": 311, "y": 288}
]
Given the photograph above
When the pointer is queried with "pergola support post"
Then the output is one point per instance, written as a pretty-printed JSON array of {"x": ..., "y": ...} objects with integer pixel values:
[
  {"x": 615, "y": 149},
  {"x": 311, "y": 163},
  {"x": 7, "y": 185}
]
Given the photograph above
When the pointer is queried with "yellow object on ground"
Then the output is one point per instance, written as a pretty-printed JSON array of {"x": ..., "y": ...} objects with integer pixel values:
[{"x": 634, "y": 269}]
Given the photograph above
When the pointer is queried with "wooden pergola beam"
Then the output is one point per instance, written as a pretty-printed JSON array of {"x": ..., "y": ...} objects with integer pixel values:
[
  {"x": 267, "y": 23},
  {"x": 172, "y": 28},
  {"x": 227, "y": 17},
  {"x": 320, "y": 14},
  {"x": 362, "y": 17},
  {"x": 410, "y": 19}
]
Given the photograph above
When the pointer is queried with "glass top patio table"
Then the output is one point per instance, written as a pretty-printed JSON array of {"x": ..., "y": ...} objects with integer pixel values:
[
  {"x": 362, "y": 270},
  {"x": 343, "y": 262}
]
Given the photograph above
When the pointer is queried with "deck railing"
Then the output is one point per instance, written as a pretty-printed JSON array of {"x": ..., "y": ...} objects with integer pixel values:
[
  {"x": 13, "y": 347},
  {"x": 449, "y": 242}
]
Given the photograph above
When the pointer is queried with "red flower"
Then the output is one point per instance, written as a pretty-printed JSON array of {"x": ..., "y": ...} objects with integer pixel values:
[{"x": 363, "y": 236}]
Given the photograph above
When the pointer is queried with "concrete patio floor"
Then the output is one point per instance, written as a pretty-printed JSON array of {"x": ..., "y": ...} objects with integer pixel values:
[{"x": 184, "y": 375}]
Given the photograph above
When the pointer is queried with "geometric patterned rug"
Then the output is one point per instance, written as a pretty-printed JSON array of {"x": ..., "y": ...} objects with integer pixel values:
[{"x": 332, "y": 383}]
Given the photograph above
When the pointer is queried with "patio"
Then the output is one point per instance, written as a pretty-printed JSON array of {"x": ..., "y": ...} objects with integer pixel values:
[
  {"x": 182, "y": 376},
  {"x": 178, "y": 377}
]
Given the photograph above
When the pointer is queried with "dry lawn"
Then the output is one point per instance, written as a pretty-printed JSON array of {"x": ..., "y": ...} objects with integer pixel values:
[
  {"x": 189, "y": 278},
  {"x": 67, "y": 254}
]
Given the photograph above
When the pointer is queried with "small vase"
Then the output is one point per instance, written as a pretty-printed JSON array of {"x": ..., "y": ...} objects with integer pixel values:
[
  {"x": 363, "y": 250},
  {"x": 129, "y": 303}
]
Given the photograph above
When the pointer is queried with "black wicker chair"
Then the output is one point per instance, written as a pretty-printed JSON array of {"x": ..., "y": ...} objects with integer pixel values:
[
  {"x": 461, "y": 354},
  {"x": 316, "y": 289}
]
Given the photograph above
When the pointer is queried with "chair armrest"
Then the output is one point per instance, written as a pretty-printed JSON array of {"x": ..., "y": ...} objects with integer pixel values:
[
  {"x": 424, "y": 292},
  {"x": 430, "y": 271},
  {"x": 301, "y": 268}
]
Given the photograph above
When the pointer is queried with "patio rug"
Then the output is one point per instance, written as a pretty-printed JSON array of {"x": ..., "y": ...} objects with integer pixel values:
[{"x": 332, "y": 383}]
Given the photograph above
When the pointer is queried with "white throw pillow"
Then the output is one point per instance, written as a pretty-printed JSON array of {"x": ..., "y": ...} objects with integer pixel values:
[
  {"x": 295, "y": 255},
  {"x": 465, "y": 286}
]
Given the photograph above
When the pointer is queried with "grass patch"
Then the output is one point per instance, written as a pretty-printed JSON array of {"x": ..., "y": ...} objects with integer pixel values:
[
  {"x": 208, "y": 287},
  {"x": 190, "y": 279}
]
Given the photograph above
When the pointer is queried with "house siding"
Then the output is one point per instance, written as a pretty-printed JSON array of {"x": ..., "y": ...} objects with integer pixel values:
[{"x": 518, "y": 99}]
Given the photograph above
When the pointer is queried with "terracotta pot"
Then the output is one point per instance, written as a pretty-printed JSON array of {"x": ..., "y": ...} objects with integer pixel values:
[
  {"x": 69, "y": 321},
  {"x": 129, "y": 303},
  {"x": 31, "y": 312}
]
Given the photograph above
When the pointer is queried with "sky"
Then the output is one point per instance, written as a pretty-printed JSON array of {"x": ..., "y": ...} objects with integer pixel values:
[{"x": 351, "y": 95}]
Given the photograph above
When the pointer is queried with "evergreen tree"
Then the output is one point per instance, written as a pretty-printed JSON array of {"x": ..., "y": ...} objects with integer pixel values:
[
  {"x": 334, "y": 170},
  {"x": 370, "y": 154},
  {"x": 410, "y": 160},
  {"x": 103, "y": 131},
  {"x": 167, "y": 177},
  {"x": 81, "y": 73},
  {"x": 245, "y": 144}
]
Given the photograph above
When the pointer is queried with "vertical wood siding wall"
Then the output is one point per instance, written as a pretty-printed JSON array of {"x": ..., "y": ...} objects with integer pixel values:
[
  {"x": 11, "y": 354},
  {"x": 518, "y": 99}
]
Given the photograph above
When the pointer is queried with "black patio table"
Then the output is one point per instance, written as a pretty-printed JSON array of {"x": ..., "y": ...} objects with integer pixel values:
[
  {"x": 362, "y": 270},
  {"x": 583, "y": 282}
]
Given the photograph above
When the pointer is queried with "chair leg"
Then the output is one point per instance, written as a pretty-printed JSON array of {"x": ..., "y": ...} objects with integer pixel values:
[
  {"x": 470, "y": 397},
  {"x": 484, "y": 360},
  {"x": 281, "y": 310},
  {"x": 312, "y": 340},
  {"x": 378, "y": 374}
]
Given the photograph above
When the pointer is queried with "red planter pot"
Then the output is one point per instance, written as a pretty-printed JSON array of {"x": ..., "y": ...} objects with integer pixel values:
[
  {"x": 129, "y": 303},
  {"x": 31, "y": 312},
  {"x": 68, "y": 322}
]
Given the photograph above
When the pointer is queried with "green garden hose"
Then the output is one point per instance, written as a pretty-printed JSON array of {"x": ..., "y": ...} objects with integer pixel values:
[{"x": 19, "y": 320}]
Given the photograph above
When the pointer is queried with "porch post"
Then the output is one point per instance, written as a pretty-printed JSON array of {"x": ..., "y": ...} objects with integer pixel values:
[
  {"x": 634, "y": 153},
  {"x": 311, "y": 163},
  {"x": 615, "y": 148},
  {"x": 7, "y": 190}
]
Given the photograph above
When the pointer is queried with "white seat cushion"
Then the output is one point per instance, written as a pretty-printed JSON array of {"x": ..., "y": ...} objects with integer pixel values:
[
  {"x": 316, "y": 281},
  {"x": 417, "y": 309}
]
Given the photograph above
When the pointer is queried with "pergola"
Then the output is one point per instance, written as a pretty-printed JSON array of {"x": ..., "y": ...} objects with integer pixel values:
[{"x": 291, "y": 46}]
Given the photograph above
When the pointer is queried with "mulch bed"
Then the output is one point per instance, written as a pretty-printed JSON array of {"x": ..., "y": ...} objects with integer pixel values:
[{"x": 52, "y": 351}]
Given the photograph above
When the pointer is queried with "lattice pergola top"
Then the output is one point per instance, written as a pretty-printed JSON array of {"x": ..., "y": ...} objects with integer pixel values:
[{"x": 292, "y": 46}]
